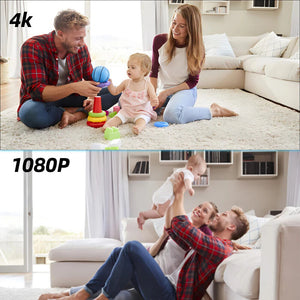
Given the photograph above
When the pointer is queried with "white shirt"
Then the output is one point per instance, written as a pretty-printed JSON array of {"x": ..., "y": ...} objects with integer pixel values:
[
  {"x": 175, "y": 72},
  {"x": 170, "y": 257},
  {"x": 63, "y": 71}
]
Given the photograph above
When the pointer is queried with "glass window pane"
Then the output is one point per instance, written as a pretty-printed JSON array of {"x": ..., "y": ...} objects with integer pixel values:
[
  {"x": 58, "y": 202},
  {"x": 116, "y": 33},
  {"x": 44, "y": 12},
  {"x": 11, "y": 211}
]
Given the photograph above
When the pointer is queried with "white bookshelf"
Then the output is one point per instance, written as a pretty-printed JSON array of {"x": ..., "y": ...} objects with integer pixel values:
[
  {"x": 218, "y": 158},
  {"x": 258, "y": 164},
  {"x": 215, "y": 7},
  {"x": 136, "y": 167},
  {"x": 203, "y": 181}
]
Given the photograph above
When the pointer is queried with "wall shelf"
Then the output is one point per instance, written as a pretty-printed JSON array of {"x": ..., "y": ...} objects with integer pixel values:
[
  {"x": 258, "y": 164},
  {"x": 215, "y": 7},
  {"x": 139, "y": 164},
  {"x": 218, "y": 158},
  {"x": 263, "y": 4}
]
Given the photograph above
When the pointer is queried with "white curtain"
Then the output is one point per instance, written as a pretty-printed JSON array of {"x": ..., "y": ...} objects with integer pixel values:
[
  {"x": 293, "y": 179},
  {"x": 12, "y": 37},
  {"x": 107, "y": 197},
  {"x": 295, "y": 19},
  {"x": 155, "y": 20}
]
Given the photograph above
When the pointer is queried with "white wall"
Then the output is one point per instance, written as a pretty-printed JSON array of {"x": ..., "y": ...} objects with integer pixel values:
[
  {"x": 241, "y": 21},
  {"x": 225, "y": 188}
]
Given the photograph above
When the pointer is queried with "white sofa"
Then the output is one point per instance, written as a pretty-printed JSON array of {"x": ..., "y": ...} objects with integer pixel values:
[
  {"x": 269, "y": 273},
  {"x": 274, "y": 78}
]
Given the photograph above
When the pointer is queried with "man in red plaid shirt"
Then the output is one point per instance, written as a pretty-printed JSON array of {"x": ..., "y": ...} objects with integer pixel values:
[
  {"x": 56, "y": 75},
  {"x": 205, "y": 252}
]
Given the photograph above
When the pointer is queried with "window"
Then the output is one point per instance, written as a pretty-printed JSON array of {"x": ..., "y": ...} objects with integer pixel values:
[
  {"x": 115, "y": 33},
  {"x": 58, "y": 203},
  {"x": 44, "y": 12},
  {"x": 11, "y": 212}
]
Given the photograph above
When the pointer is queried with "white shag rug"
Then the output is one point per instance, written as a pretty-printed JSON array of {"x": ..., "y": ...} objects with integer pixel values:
[
  {"x": 261, "y": 125},
  {"x": 25, "y": 293}
]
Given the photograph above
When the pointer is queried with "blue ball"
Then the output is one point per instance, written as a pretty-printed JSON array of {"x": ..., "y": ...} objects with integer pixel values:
[{"x": 100, "y": 74}]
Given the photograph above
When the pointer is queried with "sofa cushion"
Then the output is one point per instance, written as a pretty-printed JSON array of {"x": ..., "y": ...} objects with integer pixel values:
[
  {"x": 257, "y": 64},
  {"x": 242, "y": 44},
  {"x": 241, "y": 272},
  {"x": 217, "y": 44},
  {"x": 222, "y": 63},
  {"x": 84, "y": 250},
  {"x": 286, "y": 69},
  {"x": 270, "y": 45},
  {"x": 295, "y": 56},
  {"x": 292, "y": 47},
  {"x": 254, "y": 232}
]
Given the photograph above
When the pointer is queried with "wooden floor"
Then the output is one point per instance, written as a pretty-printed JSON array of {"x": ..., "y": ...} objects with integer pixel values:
[
  {"x": 10, "y": 93},
  {"x": 39, "y": 278}
]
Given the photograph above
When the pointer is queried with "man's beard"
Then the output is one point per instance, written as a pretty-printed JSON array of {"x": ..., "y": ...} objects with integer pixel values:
[{"x": 69, "y": 48}]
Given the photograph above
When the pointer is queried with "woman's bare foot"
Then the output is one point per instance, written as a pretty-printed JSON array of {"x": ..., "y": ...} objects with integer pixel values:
[
  {"x": 69, "y": 118},
  {"x": 80, "y": 295},
  {"x": 53, "y": 296},
  {"x": 101, "y": 297},
  {"x": 219, "y": 111},
  {"x": 141, "y": 220}
]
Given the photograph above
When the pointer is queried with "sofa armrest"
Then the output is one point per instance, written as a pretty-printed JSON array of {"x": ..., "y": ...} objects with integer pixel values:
[
  {"x": 280, "y": 263},
  {"x": 130, "y": 231}
]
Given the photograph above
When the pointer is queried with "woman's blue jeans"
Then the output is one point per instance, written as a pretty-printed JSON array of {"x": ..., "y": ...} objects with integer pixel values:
[
  {"x": 180, "y": 108},
  {"x": 131, "y": 266},
  {"x": 39, "y": 115}
]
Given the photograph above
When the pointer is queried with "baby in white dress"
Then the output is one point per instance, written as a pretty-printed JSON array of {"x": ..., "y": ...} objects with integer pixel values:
[{"x": 164, "y": 197}]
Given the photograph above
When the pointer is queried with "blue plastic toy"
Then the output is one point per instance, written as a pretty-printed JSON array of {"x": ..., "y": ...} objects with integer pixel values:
[
  {"x": 161, "y": 124},
  {"x": 101, "y": 74}
]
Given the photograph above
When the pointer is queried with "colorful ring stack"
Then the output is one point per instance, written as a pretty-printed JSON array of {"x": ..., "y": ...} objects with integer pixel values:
[{"x": 97, "y": 117}]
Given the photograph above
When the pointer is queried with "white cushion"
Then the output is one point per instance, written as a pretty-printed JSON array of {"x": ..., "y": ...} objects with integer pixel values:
[
  {"x": 257, "y": 64},
  {"x": 295, "y": 56},
  {"x": 242, "y": 44},
  {"x": 254, "y": 232},
  {"x": 84, "y": 250},
  {"x": 217, "y": 44},
  {"x": 286, "y": 69},
  {"x": 222, "y": 63},
  {"x": 291, "y": 49},
  {"x": 242, "y": 273},
  {"x": 270, "y": 45}
]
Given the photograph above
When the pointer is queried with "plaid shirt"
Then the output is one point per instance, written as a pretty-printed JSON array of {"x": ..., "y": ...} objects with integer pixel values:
[
  {"x": 39, "y": 58},
  {"x": 198, "y": 271}
]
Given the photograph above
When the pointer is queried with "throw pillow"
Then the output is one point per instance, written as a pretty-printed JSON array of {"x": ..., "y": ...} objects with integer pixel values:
[
  {"x": 295, "y": 56},
  {"x": 271, "y": 45},
  {"x": 253, "y": 234},
  {"x": 217, "y": 45}
]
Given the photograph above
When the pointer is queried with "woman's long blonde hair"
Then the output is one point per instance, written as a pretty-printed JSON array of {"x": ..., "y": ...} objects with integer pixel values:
[{"x": 195, "y": 50}]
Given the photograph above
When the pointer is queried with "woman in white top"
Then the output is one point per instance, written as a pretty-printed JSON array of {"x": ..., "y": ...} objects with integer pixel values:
[{"x": 177, "y": 59}]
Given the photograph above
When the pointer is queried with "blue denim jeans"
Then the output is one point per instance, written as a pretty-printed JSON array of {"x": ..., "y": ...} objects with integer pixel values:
[
  {"x": 131, "y": 267},
  {"x": 180, "y": 108},
  {"x": 39, "y": 115}
]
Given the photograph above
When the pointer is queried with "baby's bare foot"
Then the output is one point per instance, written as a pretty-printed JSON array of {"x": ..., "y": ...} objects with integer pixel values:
[
  {"x": 137, "y": 129},
  {"x": 141, "y": 221}
]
